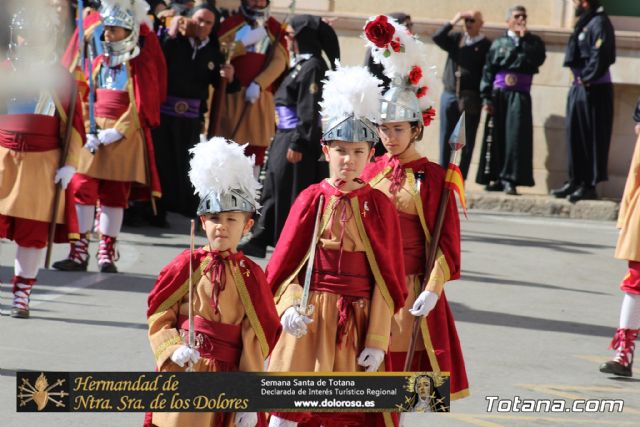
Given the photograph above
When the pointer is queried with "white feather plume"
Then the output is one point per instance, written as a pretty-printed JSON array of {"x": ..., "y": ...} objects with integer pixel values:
[
  {"x": 398, "y": 65},
  {"x": 351, "y": 90},
  {"x": 218, "y": 165}
]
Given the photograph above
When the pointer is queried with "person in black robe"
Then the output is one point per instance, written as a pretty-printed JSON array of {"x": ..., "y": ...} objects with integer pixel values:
[
  {"x": 589, "y": 119},
  {"x": 506, "y": 159},
  {"x": 294, "y": 160},
  {"x": 462, "y": 73},
  {"x": 193, "y": 62}
]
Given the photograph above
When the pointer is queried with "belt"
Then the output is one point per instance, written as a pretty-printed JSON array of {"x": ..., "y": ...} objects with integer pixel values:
[
  {"x": 188, "y": 108},
  {"x": 287, "y": 117},
  {"x": 604, "y": 79},
  {"x": 29, "y": 132},
  {"x": 111, "y": 104},
  {"x": 413, "y": 243},
  {"x": 509, "y": 80}
]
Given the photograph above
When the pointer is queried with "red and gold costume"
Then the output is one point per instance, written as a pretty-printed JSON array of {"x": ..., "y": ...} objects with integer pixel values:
[
  {"x": 354, "y": 288},
  {"x": 236, "y": 329},
  {"x": 30, "y": 150},
  {"x": 257, "y": 126},
  {"x": 438, "y": 347}
]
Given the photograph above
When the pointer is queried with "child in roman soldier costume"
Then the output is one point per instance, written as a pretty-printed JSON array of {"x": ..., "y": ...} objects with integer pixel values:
[
  {"x": 259, "y": 57},
  {"x": 235, "y": 320},
  {"x": 119, "y": 150},
  {"x": 335, "y": 248},
  {"x": 414, "y": 184},
  {"x": 41, "y": 136}
]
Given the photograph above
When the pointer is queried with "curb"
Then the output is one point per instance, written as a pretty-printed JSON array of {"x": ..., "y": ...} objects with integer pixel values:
[{"x": 538, "y": 205}]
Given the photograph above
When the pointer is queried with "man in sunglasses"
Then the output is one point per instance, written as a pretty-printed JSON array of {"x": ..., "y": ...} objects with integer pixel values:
[
  {"x": 589, "y": 119},
  {"x": 467, "y": 53},
  {"x": 506, "y": 159}
]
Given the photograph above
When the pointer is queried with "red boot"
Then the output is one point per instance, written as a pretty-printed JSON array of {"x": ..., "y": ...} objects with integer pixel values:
[
  {"x": 21, "y": 292},
  {"x": 78, "y": 258},
  {"x": 624, "y": 344}
]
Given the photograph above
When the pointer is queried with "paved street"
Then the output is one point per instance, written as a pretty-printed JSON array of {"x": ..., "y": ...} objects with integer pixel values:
[{"x": 536, "y": 308}]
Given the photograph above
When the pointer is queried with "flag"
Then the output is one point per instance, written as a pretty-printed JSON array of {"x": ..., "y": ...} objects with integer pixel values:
[
  {"x": 83, "y": 84},
  {"x": 455, "y": 182}
]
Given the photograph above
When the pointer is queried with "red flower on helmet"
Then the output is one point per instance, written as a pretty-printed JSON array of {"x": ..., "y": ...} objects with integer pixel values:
[
  {"x": 422, "y": 91},
  {"x": 415, "y": 75},
  {"x": 428, "y": 116},
  {"x": 395, "y": 44},
  {"x": 380, "y": 31}
]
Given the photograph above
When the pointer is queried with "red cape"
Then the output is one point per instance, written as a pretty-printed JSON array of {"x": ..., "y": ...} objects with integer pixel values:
[
  {"x": 381, "y": 226},
  {"x": 91, "y": 20},
  {"x": 430, "y": 193},
  {"x": 175, "y": 274}
]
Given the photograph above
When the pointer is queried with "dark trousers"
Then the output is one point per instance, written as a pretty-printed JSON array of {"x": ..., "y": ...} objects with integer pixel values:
[
  {"x": 172, "y": 141},
  {"x": 507, "y": 146},
  {"x": 283, "y": 182},
  {"x": 449, "y": 115},
  {"x": 588, "y": 125}
]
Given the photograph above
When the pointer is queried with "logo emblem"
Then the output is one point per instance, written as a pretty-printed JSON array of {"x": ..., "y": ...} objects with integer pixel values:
[
  {"x": 181, "y": 107},
  {"x": 211, "y": 65},
  {"x": 41, "y": 393},
  {"x": 511, "y": 79}
]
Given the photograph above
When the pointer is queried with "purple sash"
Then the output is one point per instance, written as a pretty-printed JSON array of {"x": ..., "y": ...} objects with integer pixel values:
[
  {"x": 187, "y": 108},
  {"x": 604, "y": 79},
  {"x": 513, "y": 81},
  {"x": 287, "y": 117}
]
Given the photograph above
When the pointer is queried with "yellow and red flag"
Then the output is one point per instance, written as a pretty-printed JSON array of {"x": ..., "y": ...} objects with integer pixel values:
[
  {"x": 455, "y": 182},
  {"x": 81, "y": 81}
]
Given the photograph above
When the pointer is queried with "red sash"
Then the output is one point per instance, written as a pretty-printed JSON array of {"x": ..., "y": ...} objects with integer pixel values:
[
  {"x": 354, "y": 280},
  {"x": 29, "y": 132},
  {"x": 413, "y": 243},
  {"x": 219, "y": 341},
  {"x": 111, "y": 104}
]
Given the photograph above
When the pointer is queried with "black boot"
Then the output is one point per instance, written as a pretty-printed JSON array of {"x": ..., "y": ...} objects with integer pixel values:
[
  {"x": 494, "y": 186},
  {"x": 510, "y": 188},
  {"x": 584, "y": 192},
  {"x": 562, "y": 192}
]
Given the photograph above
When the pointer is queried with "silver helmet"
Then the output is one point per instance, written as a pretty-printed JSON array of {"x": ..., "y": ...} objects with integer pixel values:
[
  {"x": 222, "y": 177},
  {"x": 121, "y": 14},
  {"x": 33, "y": 32},
  {"x": 255, "y": 13},
  {"x": 350, "y": 129},
  {"x": 232, "y": 200},
  {"x": 400, "y": 104}
]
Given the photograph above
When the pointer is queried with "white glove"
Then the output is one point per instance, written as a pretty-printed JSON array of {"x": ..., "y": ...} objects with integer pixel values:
[
  {"x": 371, "y": 358},
  {"x": 254, "y": 36},
  {"x": 184, "y": 354},
  {"x": 253, "y": 93},
  {"x": 109, "y": 136},
  {"x": 424, "y": 303},
  {"x": 93, "y": 143},
  {"x": 246, "y": 419},
  {"x": 281, "y": 422},
  {"x": 294, "y": 323},
  {"x": 64, "y": 175}
]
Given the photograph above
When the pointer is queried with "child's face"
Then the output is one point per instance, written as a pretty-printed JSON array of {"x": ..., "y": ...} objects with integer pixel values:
[
  {"x": 224, "y": 230},
  {"x": 347, "y": 159},
  {"x": 396, "y": 137}
]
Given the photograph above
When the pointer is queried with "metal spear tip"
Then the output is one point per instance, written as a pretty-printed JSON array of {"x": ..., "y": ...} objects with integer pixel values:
[{"x": 457, "y": 140}]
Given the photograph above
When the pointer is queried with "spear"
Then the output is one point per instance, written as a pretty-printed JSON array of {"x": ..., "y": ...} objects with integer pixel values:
[
  {"x": 192, "y": 333},
  {"x": 456, "y": 141}
]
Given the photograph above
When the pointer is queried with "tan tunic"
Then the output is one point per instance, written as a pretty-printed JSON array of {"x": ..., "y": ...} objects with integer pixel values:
[
  {"x": 123, "y": 160},
  {"x": 405, "y": 201},
  {"x": 628, "y": 246},
  {"x": 257, "y": 125},
  {"x": 317, "y": 350},
  {"x": 165, "y": 339}
]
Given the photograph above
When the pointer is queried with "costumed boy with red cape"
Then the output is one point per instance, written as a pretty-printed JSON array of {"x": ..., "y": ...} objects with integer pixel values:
[
  {"x": 235, "y": 320},
  {"x": 414, "y": 184},
  {"x": 355, "y": 288},
  {"x": 119, "y": 152}
]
